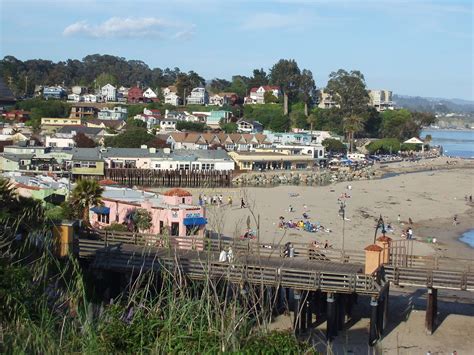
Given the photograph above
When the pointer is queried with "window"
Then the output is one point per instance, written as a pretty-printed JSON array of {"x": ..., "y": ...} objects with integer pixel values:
[
  {"x": 183, "y": 200},
  {"x": 174, "y": 229},
  {"x": 103, "y": 218}
]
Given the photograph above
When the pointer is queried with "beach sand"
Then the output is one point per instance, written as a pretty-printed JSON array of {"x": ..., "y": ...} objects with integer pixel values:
[{"x": 430, "y": 199}]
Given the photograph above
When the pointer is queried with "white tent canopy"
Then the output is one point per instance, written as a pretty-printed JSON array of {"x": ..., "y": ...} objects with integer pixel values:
[{"x": 413, "y": 140}]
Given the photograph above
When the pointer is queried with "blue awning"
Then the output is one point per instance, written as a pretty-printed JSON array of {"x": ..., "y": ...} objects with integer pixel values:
[
  {"x": 100, "y": 210},
  {"x": 194, "y": 221}
]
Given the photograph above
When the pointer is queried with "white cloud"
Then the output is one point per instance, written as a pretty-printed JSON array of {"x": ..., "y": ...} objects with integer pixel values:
[{"x": 144, "y": 27}]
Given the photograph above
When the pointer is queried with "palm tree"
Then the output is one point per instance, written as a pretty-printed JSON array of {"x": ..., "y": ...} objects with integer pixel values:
[
  {"x": 352, "y": 125},
  {"x": 87, "y": 193}
]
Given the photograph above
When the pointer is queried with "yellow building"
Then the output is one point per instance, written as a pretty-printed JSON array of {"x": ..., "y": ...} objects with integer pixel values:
[
  {"x": 268, "y": 160},
  {"x": 60, "y": 121}
]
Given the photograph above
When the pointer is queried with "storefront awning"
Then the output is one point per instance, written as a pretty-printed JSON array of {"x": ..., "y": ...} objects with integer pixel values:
[
  {"x": 195, "y": 221},
  {"x": 100, "y": 210}
]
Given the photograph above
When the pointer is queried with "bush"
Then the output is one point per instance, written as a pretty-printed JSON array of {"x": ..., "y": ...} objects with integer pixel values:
[
  {"x": 410, "y": 147},
  {"x": 191, "y": 126},
  {"x": 116, "y": 227},
  {"x": 334, "y": 145}
]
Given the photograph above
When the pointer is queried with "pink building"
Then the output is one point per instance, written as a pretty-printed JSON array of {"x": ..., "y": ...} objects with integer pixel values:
[{"x": 173, "y": 213}]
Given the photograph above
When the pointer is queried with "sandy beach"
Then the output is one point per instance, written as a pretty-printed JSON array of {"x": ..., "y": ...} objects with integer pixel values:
[{"x": 430, "y": 198}]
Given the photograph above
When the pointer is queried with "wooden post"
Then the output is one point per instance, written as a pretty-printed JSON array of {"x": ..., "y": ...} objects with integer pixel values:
[
  {"x": 309, "y": 310},
  {"x": 385, "y": 306},
  {"x": 341, "y": 311},
  {"x": 297, "y": 321},
  {"x": 373, "y": 330},
  {"x": 431, "y": 310},
  {"x": 331, "y": 328},
  {"x": 373, "y": 258}
]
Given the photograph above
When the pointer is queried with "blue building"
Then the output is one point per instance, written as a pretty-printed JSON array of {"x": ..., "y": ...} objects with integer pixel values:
[
  {"x": 215, "y": 117},
  {"x": 54, "y": 92}
]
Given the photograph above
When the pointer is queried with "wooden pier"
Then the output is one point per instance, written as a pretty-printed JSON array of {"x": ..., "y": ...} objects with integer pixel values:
[
  {"x": 309, "y": 278},
  {"x": 169, "y": 178}
]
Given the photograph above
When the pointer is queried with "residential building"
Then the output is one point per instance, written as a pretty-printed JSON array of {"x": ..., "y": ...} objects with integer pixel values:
[
  {"x": 173, "y": 213},
  {"x": 223, "y": 98},
  {"x": 6, "y": 95},
  {"x": 381, "y": 100},
  {"x": 257, "y": 95},
  {"x": 90, "y": 98},
  {"x": 116, "y": 113},
  {"x": 167, "y": 159},
  {"x": 198, "y": 96},
  {"x": 204, "y": 141},
  {"x": 315, "y": 150},
  {"x": 215, "y": 117},
  {"x": 83, "y": 111},
  {"x": 86, "y": 162},
  {"x": 150, "y": 117},
  {"x": 168, "y": 124},
  {"x": 109, "y": 93},
  {"x": 326, "y": 100},
  {"x": 78, "y": 90},
  {"x": 150, "y": 94},
  {"x": 135, "y": 95},
  {"x": 49, "y": 191},
  {"x": 59, "y": 142},
  {"x": 115, "y": 125},
  {"x": 17, "y": 115},
  {"x": 247, "y": 126},
  {"x": 316, "y": 136},
  {"x": 122, "y": 92},
  {"x": 54, "y": 92},
  {"x": 269, "y": 160},
  {"x": 302, "y": 138},
  {"x": 176, "y": 115},
  {"x": 172, "y": 99},
  {"x": 96, "y": 133},
  {"x": 75, "y": 98}
]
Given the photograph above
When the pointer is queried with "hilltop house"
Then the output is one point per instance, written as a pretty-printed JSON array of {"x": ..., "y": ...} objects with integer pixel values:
[
  {"x": 215, "y": 118},
  {"x": 150, "y": 117},
  {"x": 257, "y": 95},
  {"x": 109, "y": 92},
  {"x": 135, "y": 95},
  {"x": 198, "y": 96},
  {"x": 83, "y": 111},
  {"x": 150, "y": 94},
  {"x": 54, "y": 92}
]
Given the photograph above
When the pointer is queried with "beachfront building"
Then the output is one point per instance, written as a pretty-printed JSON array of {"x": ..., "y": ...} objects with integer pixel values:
[
  {"x": 271, "y": 160},
  {"x": 381, "y": 100},
  {"x": 167, "y": 159},
  {"x": 116, "y": 113},
  {"x": 173, "y": 213},
  {"x": 198, "y": 96}
]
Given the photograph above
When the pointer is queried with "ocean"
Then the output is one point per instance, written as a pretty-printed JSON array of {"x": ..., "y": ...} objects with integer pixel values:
[
  {"x": 468, "y": 238},
  {"x": 456, "y": 143}
]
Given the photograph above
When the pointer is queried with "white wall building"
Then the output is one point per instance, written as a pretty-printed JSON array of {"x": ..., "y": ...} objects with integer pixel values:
[
  {"x": 116, "y": 113},
  {"x": 109, "y": 92},
  {"x": 59, "y": 142},
  {"x": 381, "y": 100},
  {"x": 149, "y": 94},
  {"x": 199, "y": 96}
]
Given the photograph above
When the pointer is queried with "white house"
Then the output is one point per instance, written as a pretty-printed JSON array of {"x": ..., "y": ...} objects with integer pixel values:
[
  {"x": 172, "y": 99},
  {"x": 75, "y": 98},
  {"x": 109, "y": 92},
  {"x": 59, "y": 142},
  {"x": 199, "y": 96},
  {"x": 78, "y": 90},
  {"x": 246, "y": 126},
  {"x": 168, "y": 124},
  {"x": 117, "y": 113},
  {"x": 90, "y": 98},
  {"x": 149, "y": 94},
  {"x": 257, "y": 95}
]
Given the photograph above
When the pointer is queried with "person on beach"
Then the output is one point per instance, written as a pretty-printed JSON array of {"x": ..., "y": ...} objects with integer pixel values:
[
  {"x": 290, "y": 208},
  {"x": 455, "y": 220},
  {"x": 470, "y": 198},
  {"x": 410, "y": 220},
  {"x": 200, "y": 200},
  {"x": 409, "y": 233},
  {"x": 229, "y": 200},
  {"x": 399, "y": 219},
  {"x": 242, "y": 203}
]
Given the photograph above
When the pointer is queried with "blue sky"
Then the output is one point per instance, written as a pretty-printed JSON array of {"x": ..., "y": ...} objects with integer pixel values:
[{"x": 411, "y": 47}]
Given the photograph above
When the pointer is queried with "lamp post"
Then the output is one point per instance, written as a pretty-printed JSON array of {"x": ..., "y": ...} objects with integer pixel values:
[
  {"x": 380, "y": 224},
  {"x": 342, "y": 213}
]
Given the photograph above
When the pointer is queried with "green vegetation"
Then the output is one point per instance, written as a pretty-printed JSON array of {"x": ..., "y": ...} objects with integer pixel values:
[
  {"x": 228, "y": 127},
  {"x": 191, "y": 126},
  {"x": 384, "y": 146},
  {"x": 56, "y": 306},
  {"x": 132, "y": 138},
  {"x": 141, "y": 219},
  {"x": 86, "y": 193},
  {"x": 334, "y": 145}
]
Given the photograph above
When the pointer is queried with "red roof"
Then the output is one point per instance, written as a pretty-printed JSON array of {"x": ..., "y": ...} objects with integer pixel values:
[
  {"x": 177, "y": 192},
  {"x": 384, "y": 239}
]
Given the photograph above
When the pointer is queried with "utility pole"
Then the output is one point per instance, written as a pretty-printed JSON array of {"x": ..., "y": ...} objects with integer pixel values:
[{"x": 26, "y": 84}]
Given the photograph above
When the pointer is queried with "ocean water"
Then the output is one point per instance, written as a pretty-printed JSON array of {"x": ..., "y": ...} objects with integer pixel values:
[
  {"x": 455, "y": 143},
  {"x": 468, "y": 238}
]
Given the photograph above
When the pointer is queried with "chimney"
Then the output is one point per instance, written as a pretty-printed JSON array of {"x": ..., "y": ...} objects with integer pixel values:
[
  {"x": 152, "y": 150},
  {"x": 144, "y": 146},
  {"x": 166, "y": 151}
]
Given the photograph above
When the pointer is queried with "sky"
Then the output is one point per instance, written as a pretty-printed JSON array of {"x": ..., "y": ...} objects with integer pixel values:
[{"x": 412, "y": 47}]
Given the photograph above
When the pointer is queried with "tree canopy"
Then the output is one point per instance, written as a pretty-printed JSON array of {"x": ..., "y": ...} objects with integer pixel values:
[
  {"x": 131, "y": 138},
  {"x": 349, "y": 91}
]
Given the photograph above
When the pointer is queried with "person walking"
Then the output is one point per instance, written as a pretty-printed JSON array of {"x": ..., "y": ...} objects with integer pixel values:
[
  {"x": 242, "y": 203},
  {"x": 399, "y": 219},
  {"x": 229, "y": 200}
]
